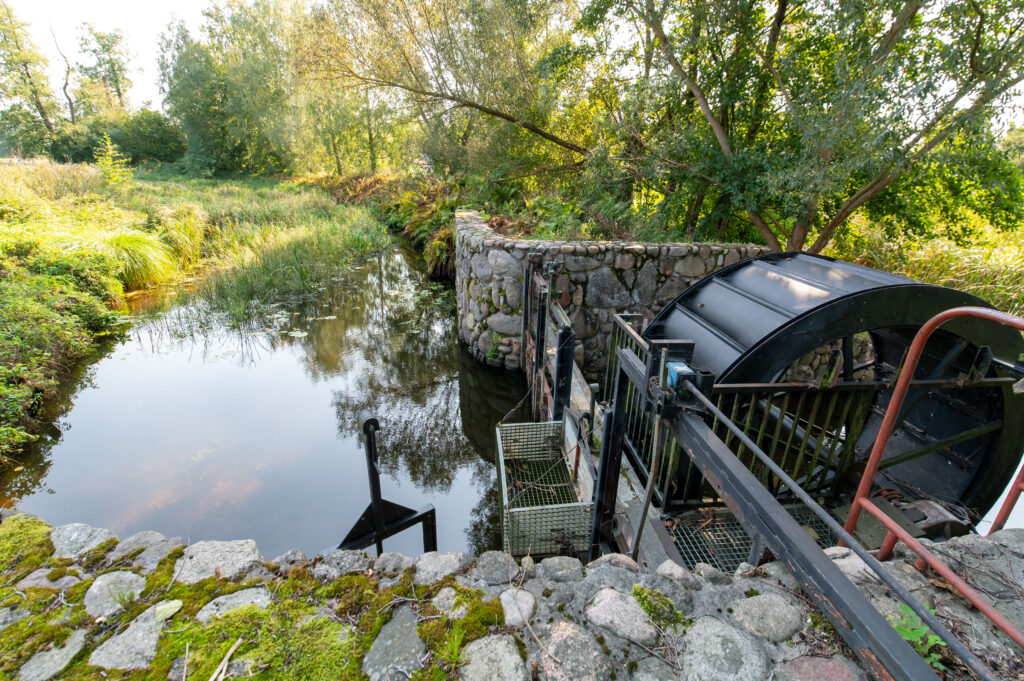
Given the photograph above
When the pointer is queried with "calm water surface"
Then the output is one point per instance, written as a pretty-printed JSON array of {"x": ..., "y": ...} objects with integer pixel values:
[{"x": 201, "y": 431}]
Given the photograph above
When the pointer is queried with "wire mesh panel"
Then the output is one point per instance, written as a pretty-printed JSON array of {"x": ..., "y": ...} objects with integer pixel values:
[
  {"x": 540, "y": 506},
  {"x": 716, "y": 538}
]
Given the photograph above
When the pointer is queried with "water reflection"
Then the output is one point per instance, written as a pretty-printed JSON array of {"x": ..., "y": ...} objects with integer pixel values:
[{"x": 196, "y": 429}]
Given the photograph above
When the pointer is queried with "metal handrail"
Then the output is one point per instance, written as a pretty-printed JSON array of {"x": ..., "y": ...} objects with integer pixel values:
[
  {"x": 894, "y": 531},
  {"x": 965, "y": 654}
]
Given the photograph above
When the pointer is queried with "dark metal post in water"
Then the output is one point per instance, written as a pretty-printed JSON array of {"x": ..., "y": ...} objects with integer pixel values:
[
  {"x": 383, "y": 518},
  {"x": 369, "y": 425}
]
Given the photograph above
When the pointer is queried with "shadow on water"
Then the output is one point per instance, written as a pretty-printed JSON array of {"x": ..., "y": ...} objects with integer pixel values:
[{"x": 194, "y": 428}]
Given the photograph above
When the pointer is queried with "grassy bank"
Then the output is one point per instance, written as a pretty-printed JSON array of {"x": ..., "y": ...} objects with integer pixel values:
[
  {"x": 74, "y": 241},
  {"x": 991, "y": 267}
]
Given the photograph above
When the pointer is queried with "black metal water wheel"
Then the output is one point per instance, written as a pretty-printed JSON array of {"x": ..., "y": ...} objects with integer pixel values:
[{"x": 960, "y": 437}]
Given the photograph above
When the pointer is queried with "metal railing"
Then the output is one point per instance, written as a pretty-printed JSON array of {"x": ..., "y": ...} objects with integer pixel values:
[
  {"x": 894, "y": 532},
  {"x": 549, "y": 342}
]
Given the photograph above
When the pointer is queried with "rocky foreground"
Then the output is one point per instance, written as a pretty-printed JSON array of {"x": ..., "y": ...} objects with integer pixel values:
[{"x": 76, "y": 603}]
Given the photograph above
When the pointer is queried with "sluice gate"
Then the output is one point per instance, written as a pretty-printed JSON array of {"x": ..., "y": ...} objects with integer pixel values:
[{"x": 746, "y": 452}]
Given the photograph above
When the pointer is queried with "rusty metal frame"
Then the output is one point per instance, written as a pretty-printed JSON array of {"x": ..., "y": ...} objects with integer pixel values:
[{"x": 862, "y": 502}]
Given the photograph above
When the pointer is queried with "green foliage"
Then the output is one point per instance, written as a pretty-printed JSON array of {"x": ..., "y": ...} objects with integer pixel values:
[
  {"x": 113, "y": 165},
  {"x": 143, "y": 136},
  {"x": 660, "y": 609},
  {"x": 990, "y": 267},
  {"x": 70, "y": 245},
  {"x": 916, "y": 633},
  {"x": 427, "y": 214}
]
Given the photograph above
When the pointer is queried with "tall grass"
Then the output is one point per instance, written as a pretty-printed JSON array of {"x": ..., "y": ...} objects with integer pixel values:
[
  {"x": 992, "y": 267},
  {"x": 71, "y": 244},
  {"x": 290, "y": 263}
]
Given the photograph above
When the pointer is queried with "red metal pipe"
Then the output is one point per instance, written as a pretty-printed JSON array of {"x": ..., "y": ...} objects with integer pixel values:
[
  {"x": 1008, "y": 503},
  {"x": 900, "y": 392},
  {"x": 933, "y": 562},
  {"x": 861, "y": 501}
]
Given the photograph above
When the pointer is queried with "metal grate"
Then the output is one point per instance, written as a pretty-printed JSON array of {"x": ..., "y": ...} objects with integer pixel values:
[
  {"x": 538, "y": 482},
  {"x": 540, "y": 506},
  {"x": 718, "y": 539}
]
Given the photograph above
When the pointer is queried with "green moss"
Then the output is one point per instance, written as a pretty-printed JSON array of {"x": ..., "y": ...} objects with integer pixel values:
[
  {"x": 95, "y": 558},
  {"x": 546, "y": 593},
  {"x": 521, "y": 647},
  {"x": 45, "y": 628},
  {"x": 751, "y": 592},
  {"x": 631, "y": 667},
  {"x": 24, "y": 543},
  {"x": 660, "y": 608},
  {"x": 56, "y": 573}
]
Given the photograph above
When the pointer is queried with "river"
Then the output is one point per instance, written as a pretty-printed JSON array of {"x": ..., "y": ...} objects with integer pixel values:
[{"x": 194, "y": 428}]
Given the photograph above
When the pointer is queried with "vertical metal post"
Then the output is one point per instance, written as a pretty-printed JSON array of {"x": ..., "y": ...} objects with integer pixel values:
[
  {"x": 370, "y": 425},
  {"x": 563, "y": 371},
  {"x": 429, "y": 532},
  {"x": 607, "y": 488}
]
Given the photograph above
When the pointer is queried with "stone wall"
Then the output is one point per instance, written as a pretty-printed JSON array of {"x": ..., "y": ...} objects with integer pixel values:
[{"x": 597, "y": 279}]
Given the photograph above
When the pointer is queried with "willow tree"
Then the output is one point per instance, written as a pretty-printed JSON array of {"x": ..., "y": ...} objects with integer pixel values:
[
  {"x": 24, "y": 87},
  {"x": 793, "y": 115},
  {"x": 108, "y": 63},
  {"x": 448, "y": 58}
]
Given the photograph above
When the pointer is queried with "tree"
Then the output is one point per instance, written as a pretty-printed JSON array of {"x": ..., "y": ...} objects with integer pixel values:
[
  {"x": 23, "y": 82},
  {"x": 229, "y": 88},
  {"x": 109, "y": 62},
  {"x": 444, "y": 55},
  {"x": 791, "y": 116}
]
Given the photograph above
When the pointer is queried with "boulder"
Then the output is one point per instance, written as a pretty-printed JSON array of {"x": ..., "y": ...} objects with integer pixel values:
[
  {"x": 505, "y": 324},
  {"x": 619, "y": 560},
  {"x": 222, "y": 559},
  {"x": 71, "y": 541},
  {"x": 621, "y": 615},
  {"x": 107, "y": 593},
  {"x": 712, "y": 575},
  {"x": 678, "y": 574},
  {"x": 289, "y": 560},
  {"x": 562, "y": 569},
  {"x": 258, "y": 596},
  {"x": 39, "y": 579},
  {"x": 397, "y": 651},
  {"x": 605, "y": 290},
  {"x": 9, "y": 616},
  {"x": 646, "y": 283},
  {"x": 134, "y": 648},
  {"x": 330, "y": 565},
  {"x": 446, "y": 601},
  {"x": 771, "y": 616},
  {"x": 390, "y": 564},
  {"x": 503, "y": 264},
  {"x": 495, "y": 567},
  {"x": 433, "y": 566},
  {"x": 47, "y": 664},
  {"x": 518, "y": 606},
  {"x": 481, "y": 267},
  {"x": 717, "y": 651},
  {"x": 575, "y": 655},
  {"x": 653, "y": 669},
  {"x": 154, "y": 545},
  {"x": 493, "y": 658}
]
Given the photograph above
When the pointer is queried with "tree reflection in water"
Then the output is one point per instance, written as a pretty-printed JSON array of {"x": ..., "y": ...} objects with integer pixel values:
[{"x": 383, "y": 339}]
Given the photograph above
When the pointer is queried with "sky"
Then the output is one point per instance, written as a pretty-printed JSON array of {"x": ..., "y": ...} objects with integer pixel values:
[{"x": 142, "y": 22}]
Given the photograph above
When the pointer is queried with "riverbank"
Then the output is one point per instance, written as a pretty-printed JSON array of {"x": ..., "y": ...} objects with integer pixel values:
[
  {"x": 81, "y": 604},
  {"x": 73, "y": 243}
]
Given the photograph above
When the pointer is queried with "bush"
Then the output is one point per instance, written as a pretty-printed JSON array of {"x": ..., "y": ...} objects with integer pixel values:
[{"x": 144, "y": 136}]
